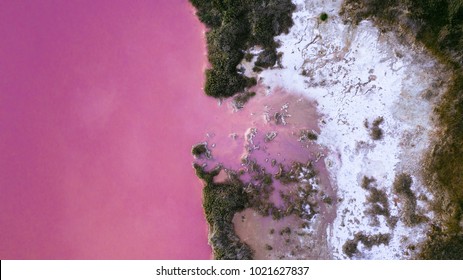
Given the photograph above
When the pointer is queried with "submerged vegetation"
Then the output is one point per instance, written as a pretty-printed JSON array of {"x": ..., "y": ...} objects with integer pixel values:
[
  {"x": 240, "y": 99},
  {"x": 438, "y": 24},
  {"x": 234, "y": 27}
]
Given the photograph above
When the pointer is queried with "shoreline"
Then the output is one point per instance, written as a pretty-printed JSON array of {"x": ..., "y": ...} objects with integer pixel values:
[{"x": 377, "y": 102}]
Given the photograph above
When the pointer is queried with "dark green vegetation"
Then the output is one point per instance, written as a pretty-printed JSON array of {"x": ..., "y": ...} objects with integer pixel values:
[
  {"x": 323, "y": 16},
  {"x": 442, "y": 246},
  {"x": 235, "y": 26},
  {"x": 350, "y": 247},
  {"x": 305, "y": 135},
  {"x": 200, "y": 150},
  {"x": 221, "y": 201},
  {"x": 438, "y": 24}
]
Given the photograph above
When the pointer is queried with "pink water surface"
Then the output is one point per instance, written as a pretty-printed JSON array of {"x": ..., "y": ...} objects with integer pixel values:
[{"x": 100, "y": 102}]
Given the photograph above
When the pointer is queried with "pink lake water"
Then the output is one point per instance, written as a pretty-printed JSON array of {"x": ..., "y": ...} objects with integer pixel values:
[{"x": 100, "y": 102}]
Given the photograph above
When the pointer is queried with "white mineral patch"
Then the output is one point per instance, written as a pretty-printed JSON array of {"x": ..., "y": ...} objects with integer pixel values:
[{"x": 357, "y": 73}]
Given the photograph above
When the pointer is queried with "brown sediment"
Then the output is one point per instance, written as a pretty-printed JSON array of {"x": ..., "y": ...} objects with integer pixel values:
[{"x": 295, "y": 243}]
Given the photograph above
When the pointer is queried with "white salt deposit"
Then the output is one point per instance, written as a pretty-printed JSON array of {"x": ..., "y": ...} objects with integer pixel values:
[{"x": 357, "y": 74}]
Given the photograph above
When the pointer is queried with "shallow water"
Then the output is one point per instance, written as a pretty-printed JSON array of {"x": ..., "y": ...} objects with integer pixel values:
[
  {"x": 100, "y": 102},
  {"x": 250, "y": 126}
]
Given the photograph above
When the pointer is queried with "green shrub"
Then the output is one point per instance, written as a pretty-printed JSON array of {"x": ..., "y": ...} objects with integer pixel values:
[
  {"x": 220, "y": 202},
  {"x": 235, "y": 26},
  {"x": 266, "y": 58},
  {"x": 201, "y": 150},
  {"x": 306, "y": 134},
  {"x": 323, "y": 16},
  {"x": 248, "y": 57}
]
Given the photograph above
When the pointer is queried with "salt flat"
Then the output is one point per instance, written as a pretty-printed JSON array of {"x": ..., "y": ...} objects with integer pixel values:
[{"x": 356, "y": 75}]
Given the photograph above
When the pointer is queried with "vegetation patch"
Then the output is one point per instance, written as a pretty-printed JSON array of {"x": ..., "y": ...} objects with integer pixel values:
[
  {"x": 376, "y": 133},
  {"x": 235, "y": 26},
  {"x": 248, "y": 57},
  {"x": 286, "y": 231},
  {"x": 367, "y": 182},
  {"x": 300, "y": 199},
  {"x": 402, "y": 188},
  {"x": 306, "y": 135},
  {"x": 323, "y": 16},
  {"x": 378, "y": 205},
  {"x": 350, "y": 247},
  {"x": 257, "y": 69},
  {"x": 240, "y": 99},
  {"x": 220, "y": 202},
  {"x": 201, "y": 151},
  {"x": 442, "y": 245}
]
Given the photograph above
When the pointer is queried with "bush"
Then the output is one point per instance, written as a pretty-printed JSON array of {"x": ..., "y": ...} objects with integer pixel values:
[
  {"x": 366, "y": 182},
  {"x": 220, "y": 83},
  {"x": 220, "y": 202},
  {"x": 323, "y": 16},
  {"x": 402, "y": 184},
  {"x": 248, "y": 57},
  {"x": 266, "y": 58},
  {"x": 402, "y": 187},
  {"x": 441, "y": 246},
  {"x": 240, "y": 99},
  {"x": 350, "y": 246},
  {"x": 201, "y": 150},
  {"x": 376, "y": 133},
  {"x": 306, "y": 134},
  {"x": 235, "y": 26}
]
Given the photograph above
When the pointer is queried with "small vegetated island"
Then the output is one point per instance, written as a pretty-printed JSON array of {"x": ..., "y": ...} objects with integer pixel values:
[{"x": 384, "y": 82}]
